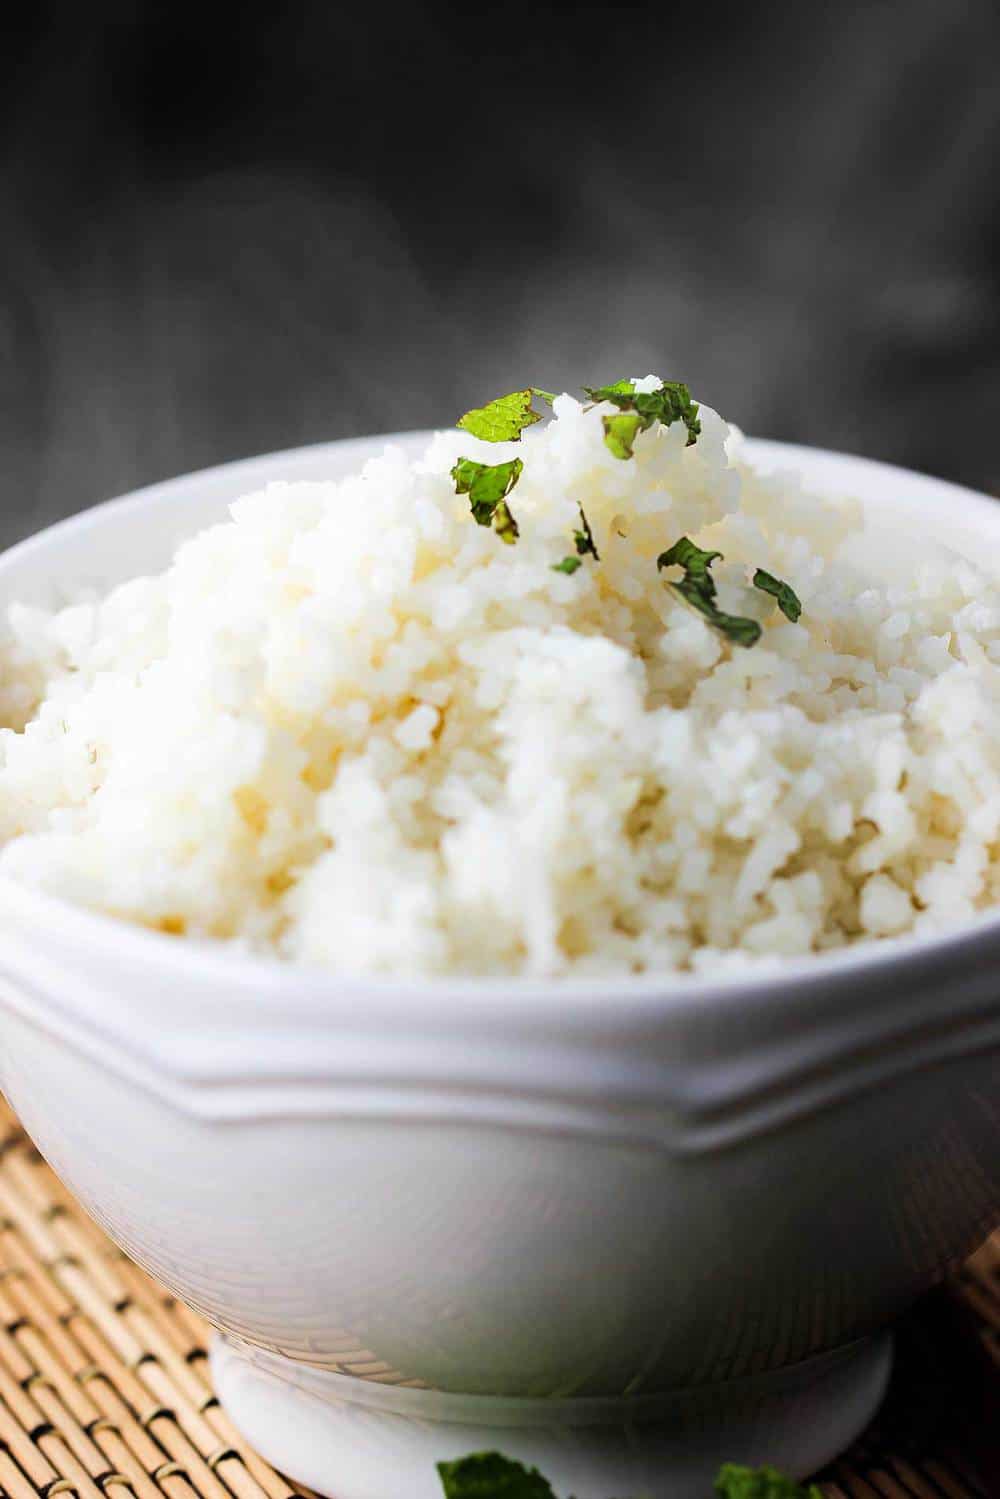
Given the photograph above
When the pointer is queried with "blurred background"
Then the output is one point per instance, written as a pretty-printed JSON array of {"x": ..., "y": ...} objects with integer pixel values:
[{"x": 226, "y": 227}]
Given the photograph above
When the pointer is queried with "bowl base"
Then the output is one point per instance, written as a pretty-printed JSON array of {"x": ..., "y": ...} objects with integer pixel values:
[{"x": 353, "y": 1439}]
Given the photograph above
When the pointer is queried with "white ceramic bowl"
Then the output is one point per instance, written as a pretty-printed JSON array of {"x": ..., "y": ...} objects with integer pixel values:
[{"x": 622, "y": 1230}]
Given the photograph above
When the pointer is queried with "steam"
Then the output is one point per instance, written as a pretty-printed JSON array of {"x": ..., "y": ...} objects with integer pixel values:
[{"x": 796, "y": 215}]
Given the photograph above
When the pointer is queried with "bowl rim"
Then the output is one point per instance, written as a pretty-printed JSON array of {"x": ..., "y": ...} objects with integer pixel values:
[{"x": 223, "y": 963}]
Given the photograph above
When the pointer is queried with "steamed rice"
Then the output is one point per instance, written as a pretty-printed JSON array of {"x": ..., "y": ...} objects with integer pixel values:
[{"x": 351, "y": 727}]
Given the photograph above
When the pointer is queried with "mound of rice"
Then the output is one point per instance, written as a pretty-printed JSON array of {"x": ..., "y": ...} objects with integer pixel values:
[{"x": 352, "y": 727}]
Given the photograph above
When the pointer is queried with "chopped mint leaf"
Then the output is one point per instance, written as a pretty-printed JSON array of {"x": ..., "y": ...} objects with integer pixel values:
[
  {"x": 697, "y": 588},
  {"x": 736, "y": 627},
  {"x": 670, "y": 403},
  {"x": 504, "y": 523},
  {"x": 585, "y": 539},
  {"x": 488, "y": 485},
  {"x": 504, "y": 419},
  {"x": 487, "y": 1475},
  {"x": 620, "y": 433},
  {"x": 584, "y": 542},
  {"x": 610, "y": 392},
  {"x": 788, "y": 599},
  {"x": 695, "y": 562},
  {"x": 734, "y": 1482},
  {"x": 676, "y": 405}
]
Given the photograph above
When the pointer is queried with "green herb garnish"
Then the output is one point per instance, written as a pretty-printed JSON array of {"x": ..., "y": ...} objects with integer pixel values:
[
  {"x": 487, "y": 1475},
  {"x": 734, "y": 1482},
  {"x": 693, "y": 559},
  {"x": 504, "y": 419},
  {"x": 641, "y": 409},
  {"x": 585, "y": 539},
  {"x": 584, "y": 542},
  {"x": 737, "y": 628},
  {"x": 504, "y": 523},
  {"x": 488, "y": 485},
  {"x": 617, "y": 391},
  {"x": 788, "y": 599},
  {"x": 697, "y": 588},
  {"x": 620, "y": 433}
]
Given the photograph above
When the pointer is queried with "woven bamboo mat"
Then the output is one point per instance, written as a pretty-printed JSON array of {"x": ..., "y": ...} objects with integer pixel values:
[{"x": 104, "y": 1376}]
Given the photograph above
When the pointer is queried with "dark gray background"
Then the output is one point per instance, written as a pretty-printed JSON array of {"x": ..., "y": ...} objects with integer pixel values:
[{"x": 231, "y": 227}]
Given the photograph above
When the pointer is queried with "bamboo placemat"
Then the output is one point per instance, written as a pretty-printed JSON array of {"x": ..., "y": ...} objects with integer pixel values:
[{"x": 104, "y": 1383}]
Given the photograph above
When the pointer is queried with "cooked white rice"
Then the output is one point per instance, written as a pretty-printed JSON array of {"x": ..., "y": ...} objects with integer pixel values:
[{"x": 350, "y": 726}]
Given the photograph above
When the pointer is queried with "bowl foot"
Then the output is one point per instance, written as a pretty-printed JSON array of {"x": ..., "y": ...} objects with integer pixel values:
[{"x": 353, "y": 1439}]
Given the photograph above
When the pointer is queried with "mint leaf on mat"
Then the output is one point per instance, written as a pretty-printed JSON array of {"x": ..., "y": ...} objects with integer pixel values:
[
  {"x": 487, "y": 1475},
  {"x": 734, "y": 1482}
]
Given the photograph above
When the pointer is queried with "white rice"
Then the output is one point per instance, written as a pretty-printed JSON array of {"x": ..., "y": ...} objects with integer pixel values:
[{"x": 351, "y": 727}]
